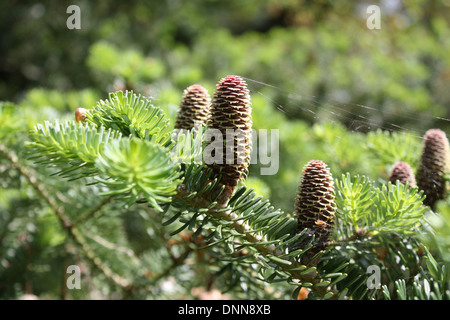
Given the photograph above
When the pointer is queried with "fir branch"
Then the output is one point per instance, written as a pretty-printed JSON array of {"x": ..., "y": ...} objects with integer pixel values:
[
  {"x": 431, "y": 283},
  {"x": 114, "y": 247},
  {"x": 71, "y": 147},
  {"x": 398, "y": 209},
  {"x": 91, "y": 256},
  {"x": 63, "y": 219},
  {"x": 176, "y": 262},
  {"x": 367, "y": 210},
  {"x": 83, "y": 217},
  {"x": 253, "y": 238},
  {"x": 30, "y": 175},
  {"x": 288, "y": 264},
  {"x": 131, "y": 114},
  {"x": 389, "y": 147},
  {"x": 188, "y": 145},
  {"x": 135, "y": 168}
]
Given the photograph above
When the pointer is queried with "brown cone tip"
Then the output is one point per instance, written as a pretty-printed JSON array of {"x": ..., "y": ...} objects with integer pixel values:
[
  {"x": 402, "y": 172},
  {"x": 315, "y": 204},
  {"x": 434, "y": 165},
  {"x": 231, "y": 109},
  {"x": 194, "y": 108},
  {"x": 80, "y": 114}
]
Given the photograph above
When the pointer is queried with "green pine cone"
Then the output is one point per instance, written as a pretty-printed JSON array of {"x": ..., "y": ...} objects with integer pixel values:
[
  {"x": 231, "y": 113},
  {"x": 194, "y": 108},
  {"x": 435, "y": 163},
  {"x": 315, "y": 204},
  {"x": 402, "y": 172}
]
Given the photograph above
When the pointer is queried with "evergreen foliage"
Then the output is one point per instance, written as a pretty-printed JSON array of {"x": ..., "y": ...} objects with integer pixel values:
[
  {"x": 124, "y": 150},
  {"x": 125, "y": 195}
]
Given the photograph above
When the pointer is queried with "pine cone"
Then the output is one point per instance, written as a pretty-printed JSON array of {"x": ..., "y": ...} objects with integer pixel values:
[
  {"x": 315, "y": 204},
  {"x": 402, "y": 172},
  {"x": 434, "y": 166},
  {"x": 231, "y": 113},
  {"x": 194, "y": 108}
]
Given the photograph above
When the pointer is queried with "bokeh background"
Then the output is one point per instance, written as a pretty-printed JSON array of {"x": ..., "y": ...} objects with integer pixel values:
[
  {"x": 314, "y": 70},
  {"x": 314, "y": 56}
]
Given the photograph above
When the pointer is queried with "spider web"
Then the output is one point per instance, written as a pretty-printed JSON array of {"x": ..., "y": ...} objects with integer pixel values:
[{"x": 357, "y": 117}]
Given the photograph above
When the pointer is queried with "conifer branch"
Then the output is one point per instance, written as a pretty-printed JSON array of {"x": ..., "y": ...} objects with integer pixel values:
[
  {"x": 254, "y": 239},
  {"x": 131, "y": 114},
  {"x": 63, "y": 219},
  {"x": 222, "y": 212},
  {"x": 30, "y": 175},
  {"x": 83, "y": 217},
  {"x": 90, "y": 255}
]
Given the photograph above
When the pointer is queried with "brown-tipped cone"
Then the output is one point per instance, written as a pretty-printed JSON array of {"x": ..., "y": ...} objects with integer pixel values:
[
  {"x": 434, "y": 166},
  {"x": 315, "y": 204},
  {"x": 231, "y": 116},
  {"x": 402, "y": 172},
  {"x": 80, "y": 114},
  {"x": 194, "y": 108}
]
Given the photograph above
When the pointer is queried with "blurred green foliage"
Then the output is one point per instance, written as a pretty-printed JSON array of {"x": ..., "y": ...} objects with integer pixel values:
[
  {"x": 314, "y": 70},
  {"x": 314, "y": 56}
]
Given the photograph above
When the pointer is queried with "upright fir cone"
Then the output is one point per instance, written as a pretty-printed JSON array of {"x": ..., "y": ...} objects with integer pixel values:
[
  {"x": 435, "y": 163},
  {"x": 231, "y": 118},
  {"x": 402, "y": 172},
  {"x": 194, "y": 108},
  {"x": 315, "y": 204}
]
